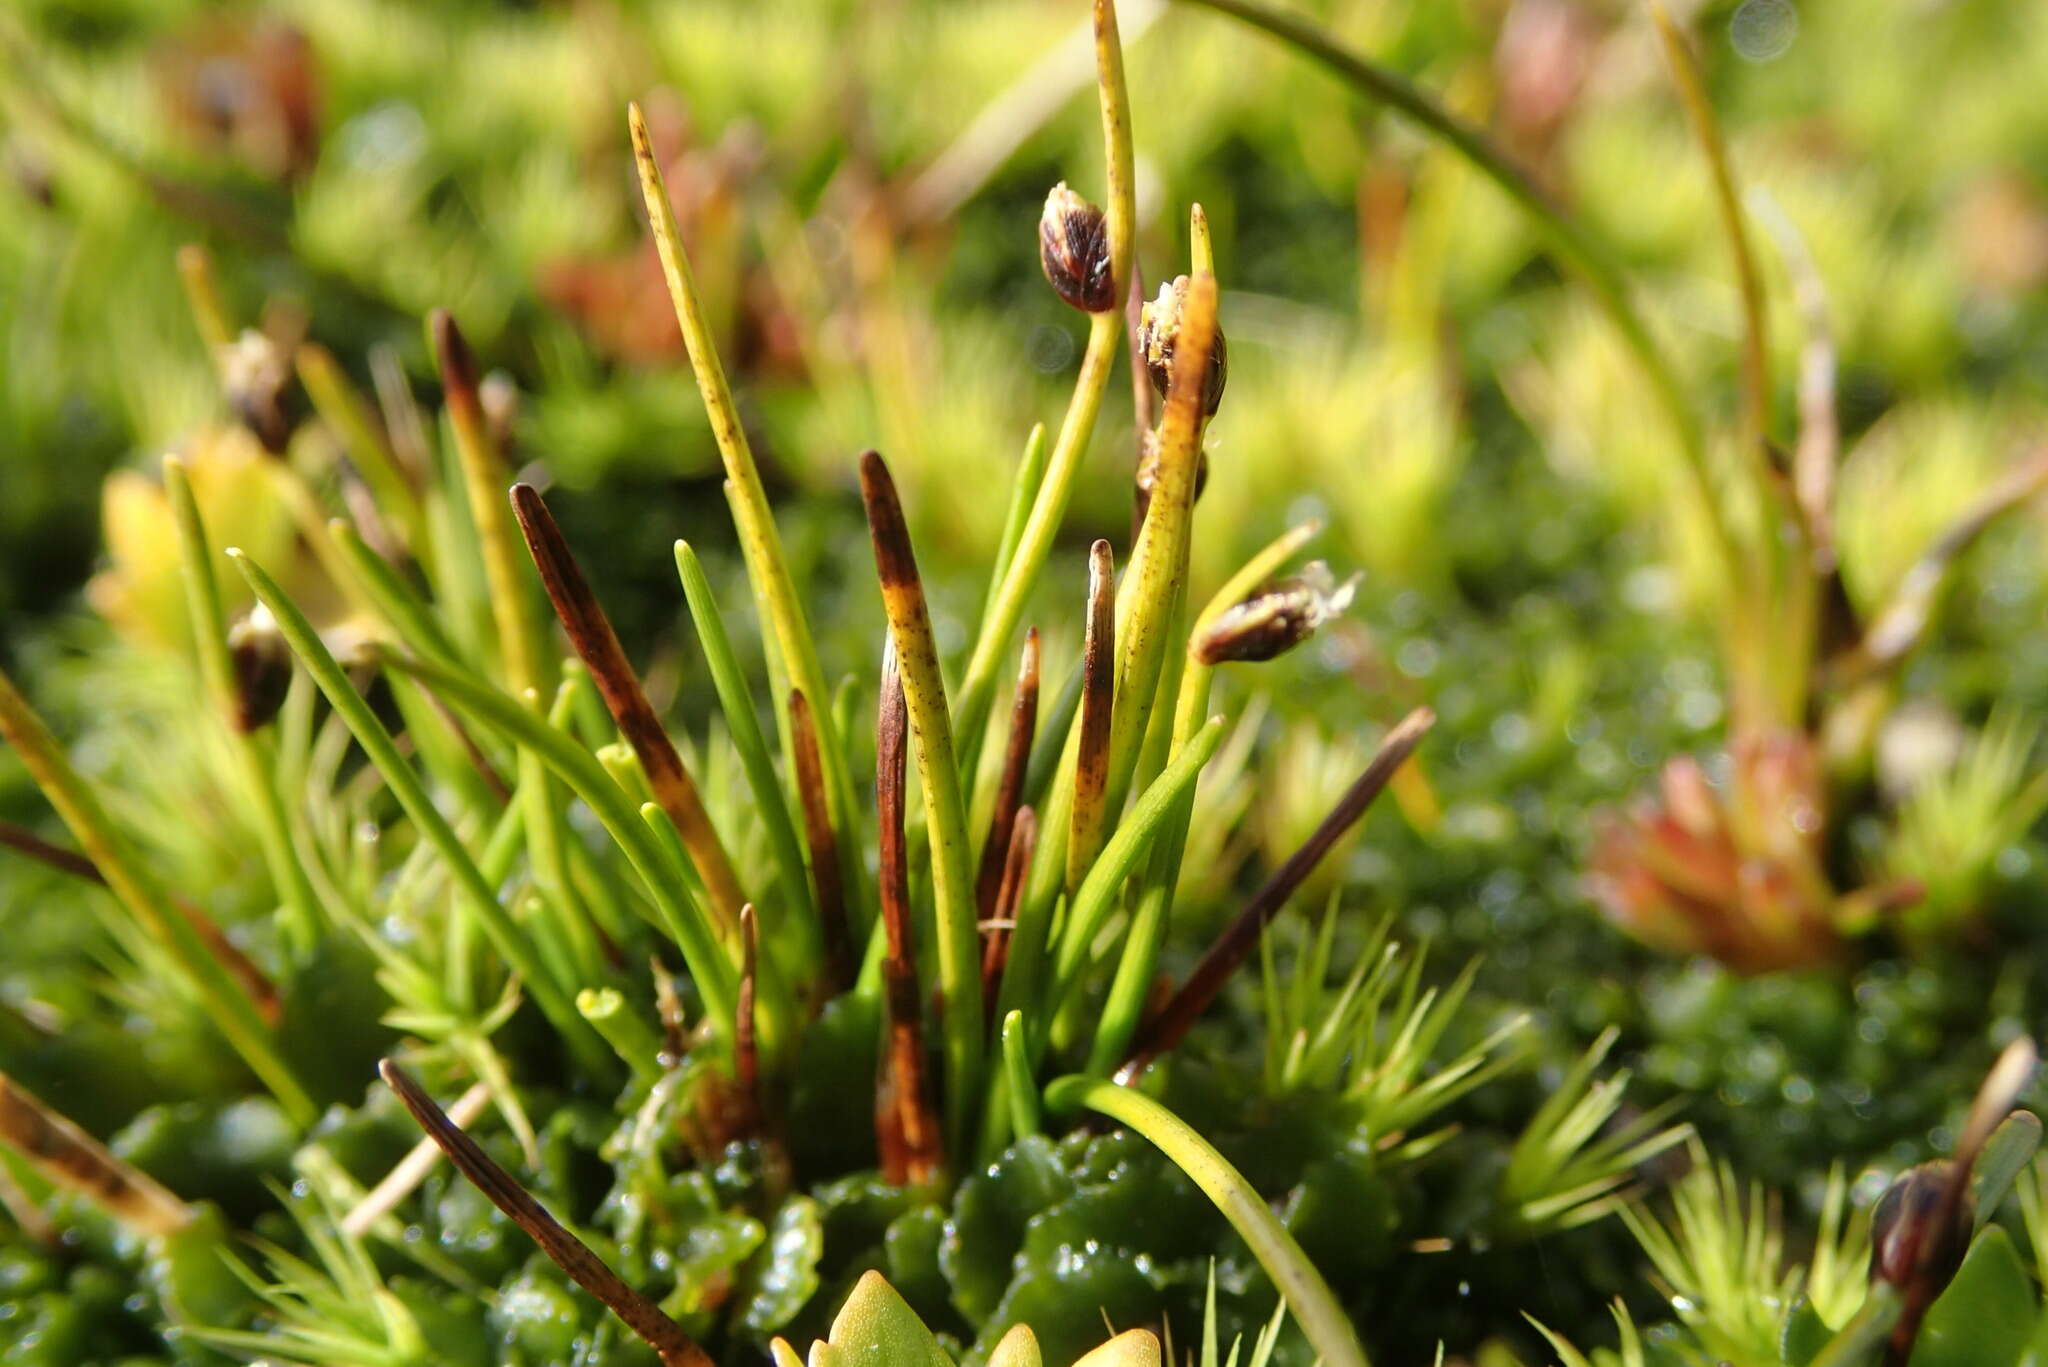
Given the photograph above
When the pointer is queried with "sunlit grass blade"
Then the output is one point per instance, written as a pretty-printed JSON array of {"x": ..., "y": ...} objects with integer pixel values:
[
  {"x": 304, "y": 916},
  {"x": 678, "y": 916},
  {"x": 411, "y": 621},
  {"x": 795, "y": 657},
  {"x": 924, "y": 694},
  {"x": 597, "y": 645},
  {"x": 551, "y": 996},
  {"x": 736, "y": 705},
  {"x": 1308, "y": 1296},
  {"x": 1105, "y": 340},
  {"x": 1148, "y": 816}
]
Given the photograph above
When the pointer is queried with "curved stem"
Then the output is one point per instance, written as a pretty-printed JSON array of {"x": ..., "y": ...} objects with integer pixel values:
[
  {"x": 1574, "y": 244},
  {"x": 1309, "y": 1297}
]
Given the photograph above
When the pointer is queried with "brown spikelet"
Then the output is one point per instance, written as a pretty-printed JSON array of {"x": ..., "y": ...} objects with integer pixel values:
[
  {"x": 1016, "y": 759},
  {"x": 69, "y": 1157},
  {"x": 1241, "y": 937},
  {"x": 824, "y": 845},
  {"x": 591, "y": 635},
  {"x": 908, "y": 1129},
  {"x": 565, "y": 1250}
]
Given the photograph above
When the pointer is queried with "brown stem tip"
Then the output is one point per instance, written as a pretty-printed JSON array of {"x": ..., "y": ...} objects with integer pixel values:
[
  {"x": 1236, "y": 943},
  {"x": 571, "y": 1254}
]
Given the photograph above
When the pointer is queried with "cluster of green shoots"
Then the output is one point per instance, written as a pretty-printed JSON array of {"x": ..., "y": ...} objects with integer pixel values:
[{"x": 985, "y": 956}]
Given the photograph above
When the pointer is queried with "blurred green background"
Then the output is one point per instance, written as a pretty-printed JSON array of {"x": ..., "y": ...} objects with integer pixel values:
[{"x": 859, "y": 185}]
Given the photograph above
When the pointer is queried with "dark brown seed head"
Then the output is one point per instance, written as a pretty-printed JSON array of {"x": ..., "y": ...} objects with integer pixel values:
[
  {"x": 263, "y": 669},
  {"x": 255, "y": 373},
  {"x": 1073, "y": 246},
  {"x": 1276, "y": 619},
  {"x": 1159, "y": 328},
  {"x": 1907, "y": 1229}
]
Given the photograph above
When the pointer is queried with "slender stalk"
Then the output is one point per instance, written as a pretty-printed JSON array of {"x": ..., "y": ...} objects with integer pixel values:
[
  {"x": 674, "y": 1347},
  {"x": 511, "y": 941},
  {"x": 1314, "y": 1307},
  {"x": 1105, "y": 339},
  {"x": 736, "y": 705},
  {"x": 1010, "y": 787},
  {"x": 303, "y": 916},
  {"x": 1123, "y": 1009},
  {"x": 1023, "y": 493},
  {"x": 795, "y": 655},
  {"x": 402, "y": 610},
  {"x": 914, "y": 1121},
  {"x": 1150, "y": 599},
  {"x": 676, "y": 912},
  {"x": 1091, "y": 904},
  {"x": 1902, "y": 622},
  {"x": 1098, "y": 696},
  {"x": 1574, "y": 244},
  {"x": 810, "y": 783},
  {"x": 484, "y": 478},
  {"x": 1242, "y": 936},
  {"x": 70, "y": 1158},
  {"x": 597, "y": 645},
  {"x": 1699, "y": 110},
  {"x": 229, "y": 1006},
  {"x": 924, "y": 694}
]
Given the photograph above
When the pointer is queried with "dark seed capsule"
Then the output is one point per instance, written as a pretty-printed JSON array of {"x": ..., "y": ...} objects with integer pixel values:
[
  {"x": 1902, "y": 1236},
  {"x": 1276, "y": 619},
  {"x": 1073, "y": 246},
  {"x": 1159, "y": 329},
  {"x": 254, "y": 374},
  {"x": 263, "y": 669}
]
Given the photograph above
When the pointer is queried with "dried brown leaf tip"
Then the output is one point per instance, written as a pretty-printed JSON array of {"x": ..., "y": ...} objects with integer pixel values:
[
  {"x": 68, "y": 1157},
  {"x": 1159, "y": 331},
  {"x": 597, "y": 645},
  {"x": 458, "y": 370},
  {"x": 571, "y": 1254},
  {"x": 1276, "y": 619},
  {"x": 1073, "y": 247}
]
